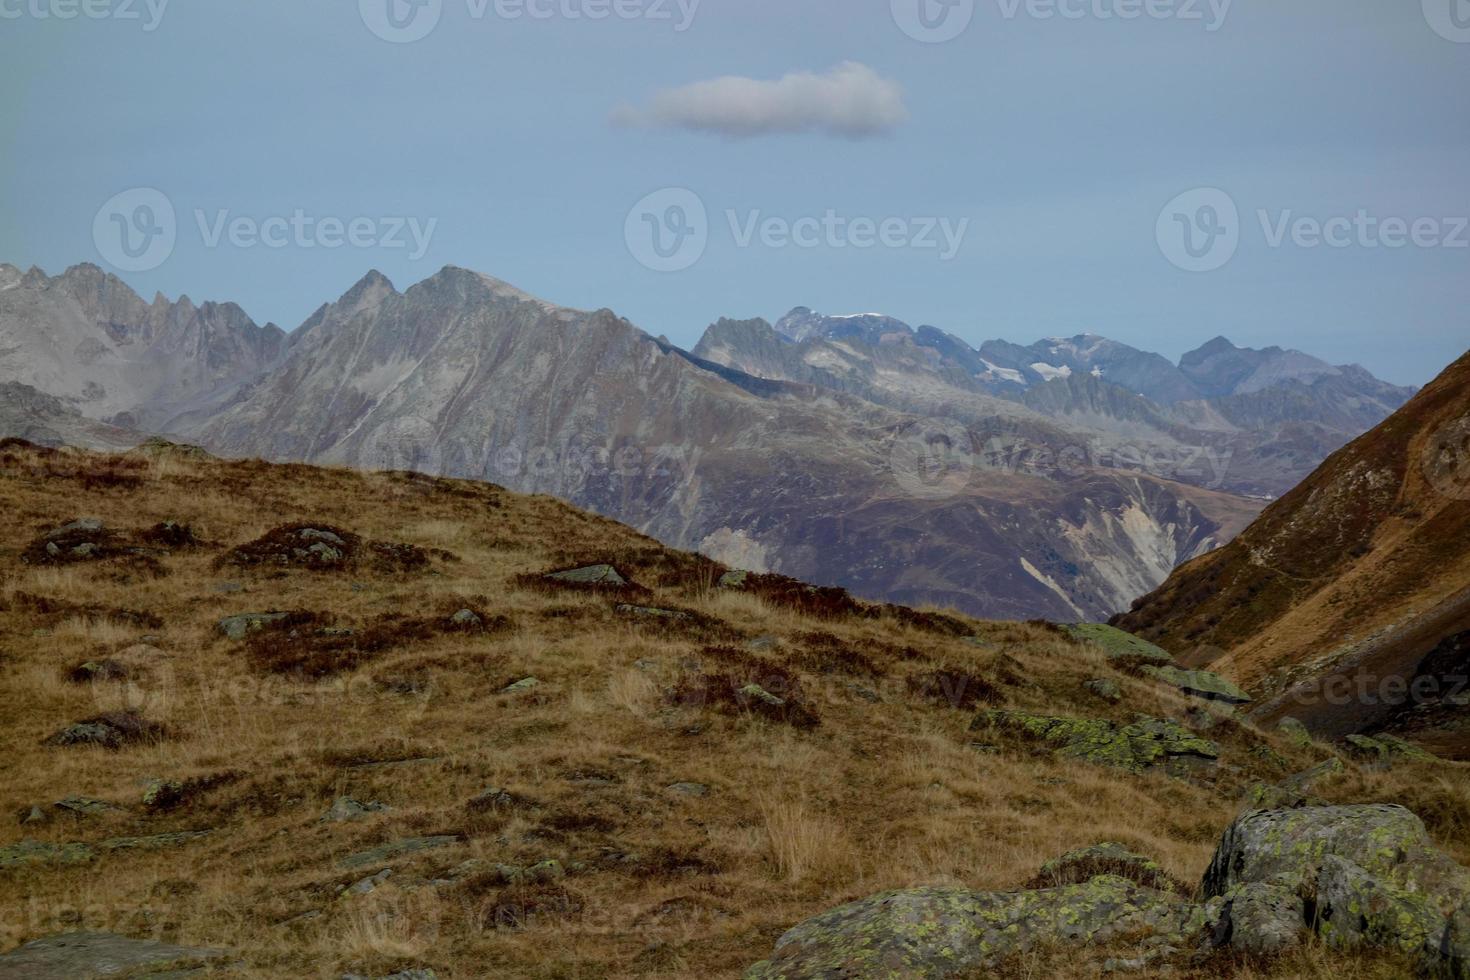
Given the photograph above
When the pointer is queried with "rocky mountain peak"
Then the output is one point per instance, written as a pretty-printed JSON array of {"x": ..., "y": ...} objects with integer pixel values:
[{"x": 370, "y": 289}]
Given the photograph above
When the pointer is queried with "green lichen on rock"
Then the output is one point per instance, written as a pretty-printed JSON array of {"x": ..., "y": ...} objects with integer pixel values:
[
  {"x": 1108, "y": 858},
  {"x": 30, "y": 853},
  {"x": 1104, "y": 688},
  {"x": 589, "y": 575},
  {"x": 1118, "y": 644},
  {"x": 1386, "y": 750},
  {"x": 1145, "y": 743},
  {"x": 392, "y": 851},
  {"x": 1198, "y": 683},
  {"x": 1362, "y": 876},
  {"x": 944, "y": 932},
  {"x": 1296, "y": 733},
  {"x": 1374, "y": 877}
]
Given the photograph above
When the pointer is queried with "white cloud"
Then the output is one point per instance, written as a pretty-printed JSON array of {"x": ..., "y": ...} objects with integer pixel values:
[{"x": 851, "y": 100}]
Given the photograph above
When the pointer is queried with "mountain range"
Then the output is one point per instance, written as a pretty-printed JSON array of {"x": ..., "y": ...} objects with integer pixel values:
[{"x": 1060, "y": 480}]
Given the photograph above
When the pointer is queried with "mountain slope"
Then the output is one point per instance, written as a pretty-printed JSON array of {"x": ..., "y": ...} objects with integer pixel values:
[
  {"x": 1356, "y": 577},
  {"x": 438, "y": 759},
  {"x": 464, "y": 375}
]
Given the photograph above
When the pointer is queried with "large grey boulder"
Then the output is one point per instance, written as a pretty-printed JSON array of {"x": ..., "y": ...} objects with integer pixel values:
[
  {"x": 1368, "y": 876},
  {"x": 87, "y": 955},
  {"x": 946, "y": 932}
]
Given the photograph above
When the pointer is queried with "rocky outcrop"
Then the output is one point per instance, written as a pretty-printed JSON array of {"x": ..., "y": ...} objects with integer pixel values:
[
  {"x": 89, "y": 955},
  {"x": 1360, "y": 876},
  {"x": 1146, "y": 743},
  {"x": 946, "y": 932}
]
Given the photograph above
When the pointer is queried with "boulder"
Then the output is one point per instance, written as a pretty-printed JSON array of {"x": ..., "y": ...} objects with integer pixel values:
[
  {"x": 88, "y": 955},
  {"x": 1119, "y": 645},
  {"x": 1386, "y": 750},
  {"x": 650, "y": 612},
  {"x": 1199, "y": 684},
  {"x": 1296, "y": 733},
  {"x": 950, "y": 932},
  {"x": 734, "y": 579},
  {"x": 394, "y": 850},
  {"x": 345, "y": 808},
  {"x": 1372, "y": 876},
  {"x": 1146, "y": 743},
  {"x": 1264, "y": 918},
  {"x": 590, "y": 575},
  {"x": 241, "y": 626},
  {"x": 37, "y": 853},
  {"x": 467, "y": 619}
]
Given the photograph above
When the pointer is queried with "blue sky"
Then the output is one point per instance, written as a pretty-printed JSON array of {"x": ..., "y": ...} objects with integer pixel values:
[{"x": 1057, "y": 141}]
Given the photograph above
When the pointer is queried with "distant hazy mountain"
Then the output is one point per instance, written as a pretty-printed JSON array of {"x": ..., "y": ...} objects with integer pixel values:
[
  {"x": 1260, "y": 419},
  {"x": 46, "y": 420},
  {"x": 903, "y": 464},
  {"x": 89, "y": 340},
  {"x": 464, "y": 374}
]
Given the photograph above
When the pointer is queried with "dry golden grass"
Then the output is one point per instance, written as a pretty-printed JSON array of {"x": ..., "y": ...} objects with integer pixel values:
[{"x": 886, "y": 792}]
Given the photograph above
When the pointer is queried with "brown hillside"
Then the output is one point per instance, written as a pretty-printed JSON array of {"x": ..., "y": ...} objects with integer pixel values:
[
  {"x": 638, "y": 810},
  {"x": 1355, "y": 576}
]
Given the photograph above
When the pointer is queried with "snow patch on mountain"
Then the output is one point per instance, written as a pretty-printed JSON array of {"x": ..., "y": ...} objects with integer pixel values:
[{"x": 1050, "y": 371}]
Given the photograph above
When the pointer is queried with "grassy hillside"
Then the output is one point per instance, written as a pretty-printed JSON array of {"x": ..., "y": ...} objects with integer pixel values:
[{"x": 695, "y": 768}]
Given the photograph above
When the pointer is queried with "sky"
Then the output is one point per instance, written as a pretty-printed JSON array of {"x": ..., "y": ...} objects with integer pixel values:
[{"x": 1157, "y": 171}]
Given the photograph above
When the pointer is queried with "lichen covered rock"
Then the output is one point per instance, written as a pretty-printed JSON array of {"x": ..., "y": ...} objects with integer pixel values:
[
  {"x": 1370, "y": 873},
  {"x": 945, "y": 932},
  {"x": 1146, "y": 743},
  {"x": 1199, "y": 683},
  {"x": 1118, "y": 644}
]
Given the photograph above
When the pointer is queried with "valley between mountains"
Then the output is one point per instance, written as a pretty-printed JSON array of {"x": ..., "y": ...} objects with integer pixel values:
[{"x": 1061, "y": 480}]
